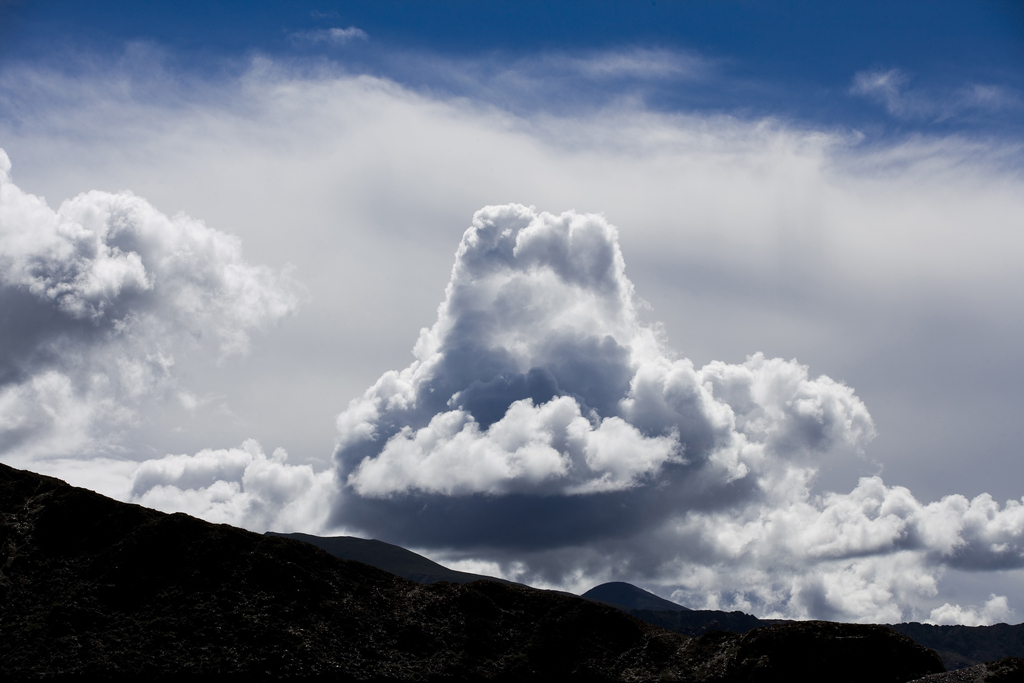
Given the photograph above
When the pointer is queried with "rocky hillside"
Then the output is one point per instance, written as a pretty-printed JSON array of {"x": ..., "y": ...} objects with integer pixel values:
[{"x": 93, "y": 587}]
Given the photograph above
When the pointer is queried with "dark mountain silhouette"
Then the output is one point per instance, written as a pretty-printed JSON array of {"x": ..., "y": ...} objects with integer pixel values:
[
  {"x": 966, "y": 646},
  {"x": 805, "y": 651},
  {"x": 391, "y": 558},
  {"x": 698, "y": 622},
  {"x": 625, "y": 597},
  {"x": 959, "y": 646},
  {"x": 93, "y": 588},
  {"x": 621, "y": 594}
]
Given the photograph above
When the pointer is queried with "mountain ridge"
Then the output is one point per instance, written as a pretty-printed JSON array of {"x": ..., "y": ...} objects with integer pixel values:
[{"x": 389, "y": 557}]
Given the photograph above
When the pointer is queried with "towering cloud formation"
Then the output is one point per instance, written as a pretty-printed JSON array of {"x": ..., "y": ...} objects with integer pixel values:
[
  {"x": 98, "y": 300},
  {"x": 545, "y": 427},
  {"x": 539, "y": 388}
]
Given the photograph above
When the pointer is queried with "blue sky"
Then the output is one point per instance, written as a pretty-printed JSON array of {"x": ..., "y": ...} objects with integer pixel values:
[
  {"x": 795, "y": 59},
  {"x": 228, "y": 224}
]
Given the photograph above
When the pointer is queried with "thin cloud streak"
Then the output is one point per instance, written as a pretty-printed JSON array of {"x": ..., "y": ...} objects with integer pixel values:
[
  {"x": 890, "y": 88},
  {"x": 330, "y": 36}
]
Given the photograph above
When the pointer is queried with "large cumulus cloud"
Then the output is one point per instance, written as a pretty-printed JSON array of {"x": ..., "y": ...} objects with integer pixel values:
[
  {"x": 100, "y": 300},
  {"x": 540, "y": 388},
  {"x": 544, "y": 427}
]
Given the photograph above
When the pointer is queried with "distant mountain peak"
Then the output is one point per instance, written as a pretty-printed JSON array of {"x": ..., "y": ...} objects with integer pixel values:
[
  {"x": 391, "y": 558},
  {"x": 627, "y": 595}
]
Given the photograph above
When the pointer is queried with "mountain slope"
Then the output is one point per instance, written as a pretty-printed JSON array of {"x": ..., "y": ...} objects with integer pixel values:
[
  {"x": 631, "y": 597},
  {"x": 90, "y": 587},
  {"x": 391, "y": 558}
]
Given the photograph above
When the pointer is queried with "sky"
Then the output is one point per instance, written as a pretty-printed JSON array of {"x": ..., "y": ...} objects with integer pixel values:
[{"x": 723, "y": 299}]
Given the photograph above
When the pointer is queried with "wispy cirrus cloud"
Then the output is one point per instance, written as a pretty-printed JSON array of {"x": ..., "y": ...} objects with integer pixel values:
[
  {"x": 891, "y": 88},
  {"x": 319, "y": 14},
  {"x": 330, "y": 36},
  {"x": 644, "y": 64}
]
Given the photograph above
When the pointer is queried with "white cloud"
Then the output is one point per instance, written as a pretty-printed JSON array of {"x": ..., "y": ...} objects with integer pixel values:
[
  {"x": 101, "y": 297},
  {"x": 890, "y": 88},
  {"x": 539, "y": 376},
  {"x": 874, "y": 554},
  {"x": 886, "y": 86},
  {"x": 239, "y": 486},
  {"x": 48, "y": 414},
  {"x": 989, "y": 97},
  {"x": 638, "y": 63},
  {"x": 994, "y": 611},
  {"x": 528, "y": 447},
  {"x": 336, "y": 36}
]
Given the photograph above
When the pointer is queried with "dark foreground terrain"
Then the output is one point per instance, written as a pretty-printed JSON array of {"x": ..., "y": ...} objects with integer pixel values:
[
  {"x": 93, "y": 587},
  {"x": 966, "y": 646},
  {"x": 1006, "y": 670},
  {"x": 958, "y": 646}
]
